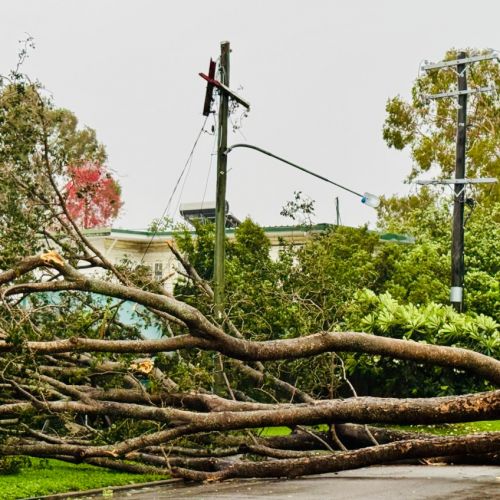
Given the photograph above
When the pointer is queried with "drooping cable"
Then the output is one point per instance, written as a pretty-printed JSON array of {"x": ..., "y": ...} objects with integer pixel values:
[
  {"x": 167, "y": 208},
  {"x": 212, "y": 154}
]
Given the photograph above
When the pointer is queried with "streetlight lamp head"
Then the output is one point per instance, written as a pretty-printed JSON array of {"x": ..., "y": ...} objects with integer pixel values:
[{"x": 370, "y": 200}]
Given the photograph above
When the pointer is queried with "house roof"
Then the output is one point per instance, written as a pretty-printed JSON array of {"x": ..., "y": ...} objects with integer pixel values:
[{"x": 270, "y": 231}]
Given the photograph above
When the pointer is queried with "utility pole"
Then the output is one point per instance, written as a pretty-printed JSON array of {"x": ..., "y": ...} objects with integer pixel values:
[
  {"x": 460, "y": 182},
  {"x": 457, "y": 237},
  {"x": 220, "y": 213},
  {"x": 225, "y": 93}
]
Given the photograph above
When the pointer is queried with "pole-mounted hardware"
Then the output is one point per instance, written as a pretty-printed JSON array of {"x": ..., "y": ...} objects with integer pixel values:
[
  {"x": 211, "y": 83},
  {"x": 458, "y": 93},
  {"x": 210, "y": 89},
  {"x": 454, "y": 182}
]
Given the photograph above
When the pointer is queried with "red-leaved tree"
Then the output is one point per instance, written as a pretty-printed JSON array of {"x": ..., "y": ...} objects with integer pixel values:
[{"x": 92, "y": 195}]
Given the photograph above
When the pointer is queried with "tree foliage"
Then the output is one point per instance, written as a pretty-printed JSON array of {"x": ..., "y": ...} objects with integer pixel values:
[
  {"x": 92, "y": 195},
  {"x": 317, "y": 287},
  {"x": 38, "y": 141},
  {"x": 428, "y": 127},
  {"x": 430, "y": 323}
]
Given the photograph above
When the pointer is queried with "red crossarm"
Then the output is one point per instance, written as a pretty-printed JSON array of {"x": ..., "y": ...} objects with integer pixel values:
[
  {"x": 210, "y": 89},
  {"x": 215, "y": 83}
]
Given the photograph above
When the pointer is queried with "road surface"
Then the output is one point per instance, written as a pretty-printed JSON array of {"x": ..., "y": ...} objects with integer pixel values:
[{"x": 386, "y": 482}]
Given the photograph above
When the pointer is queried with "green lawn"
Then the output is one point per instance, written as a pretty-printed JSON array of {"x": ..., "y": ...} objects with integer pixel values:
[
  {"x": 441, "y": 429},
  {"x": 455, "y": 429},
  {"x": 53, "y": 476},
  {"x": 273, "y": 431}
]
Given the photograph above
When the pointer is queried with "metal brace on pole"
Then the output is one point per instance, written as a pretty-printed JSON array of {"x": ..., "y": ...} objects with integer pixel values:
[{"x": 455, "y": 182}]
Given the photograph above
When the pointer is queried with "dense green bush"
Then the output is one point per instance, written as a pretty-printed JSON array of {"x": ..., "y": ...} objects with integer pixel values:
[
  {"x": 347, "y": 279},
  {"x": 431, "y": 323}
]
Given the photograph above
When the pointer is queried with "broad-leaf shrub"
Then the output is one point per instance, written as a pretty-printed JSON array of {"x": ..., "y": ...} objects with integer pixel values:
[{"x": 430, "y": 323}]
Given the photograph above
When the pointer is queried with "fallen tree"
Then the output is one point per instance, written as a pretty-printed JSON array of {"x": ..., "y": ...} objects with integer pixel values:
[
  {"x": 79, "y": 384},
  {"x": 44, "y": 388}
]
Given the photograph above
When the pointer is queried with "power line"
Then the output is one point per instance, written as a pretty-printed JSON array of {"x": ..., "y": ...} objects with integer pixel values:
[
  {"x": 181, "y": 191},
  {"x": 186, "y": 164},
  {"x": 212, "y": 154}
]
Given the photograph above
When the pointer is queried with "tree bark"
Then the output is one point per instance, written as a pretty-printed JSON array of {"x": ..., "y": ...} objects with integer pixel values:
[{"x": 418, "y": 448}]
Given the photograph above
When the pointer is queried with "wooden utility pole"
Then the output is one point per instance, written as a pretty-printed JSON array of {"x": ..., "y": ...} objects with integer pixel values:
[
  {"x": 460, "y": 182},
  {"x": 220, "y": 214},
  {"x": 457, "y": 244},
  {"x": 225, "y": 93}
]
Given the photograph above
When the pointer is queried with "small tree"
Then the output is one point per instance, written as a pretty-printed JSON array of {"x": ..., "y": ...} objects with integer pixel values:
[{"x": 92, "y": 195}]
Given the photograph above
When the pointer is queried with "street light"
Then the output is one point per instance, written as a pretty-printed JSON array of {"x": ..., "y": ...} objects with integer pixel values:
[
  {"x": 367, "y": 198},
  {"x": 370, "y": 200}
]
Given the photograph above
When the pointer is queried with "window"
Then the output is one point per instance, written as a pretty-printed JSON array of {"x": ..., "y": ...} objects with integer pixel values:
[{"x": 158, "y": 271}]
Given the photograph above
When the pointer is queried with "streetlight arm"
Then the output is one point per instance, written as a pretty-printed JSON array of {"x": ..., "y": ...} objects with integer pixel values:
[{"x": 250, "y": 146}]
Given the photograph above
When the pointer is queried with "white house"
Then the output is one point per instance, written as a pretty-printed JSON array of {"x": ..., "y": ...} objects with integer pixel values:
[{"x": 152, "y": 249}]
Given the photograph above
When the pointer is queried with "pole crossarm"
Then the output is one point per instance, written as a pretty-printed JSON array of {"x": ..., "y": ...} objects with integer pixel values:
[
  {"x": 484, "y": 180},
  {"x": 459, "y": 92},
  {"x": 298, "y": 167},
  {"x": 210, "y": 89},
  {"x": 226, "y": 90},
  {"x": 466, "y": 60}
]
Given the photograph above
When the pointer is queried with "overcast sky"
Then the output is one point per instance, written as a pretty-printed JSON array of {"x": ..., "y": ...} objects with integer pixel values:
[{"x": 317, "y": 74}]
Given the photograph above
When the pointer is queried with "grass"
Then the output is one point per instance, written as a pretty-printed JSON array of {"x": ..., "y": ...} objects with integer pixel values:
[
  {"x": 273, "y": 431},
  {"x": 441, "y": 429},
  {"x": 454, "y": 429},
  {"x": 46, "y": 477}
]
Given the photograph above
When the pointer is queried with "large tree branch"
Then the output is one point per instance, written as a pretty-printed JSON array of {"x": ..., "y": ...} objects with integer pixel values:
[
  {"x": 480, "y": 406},
  {"x": 301, "y": 347},
  {"x": 24, "y": 266},
  {"x": 418, "y": 448}
]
